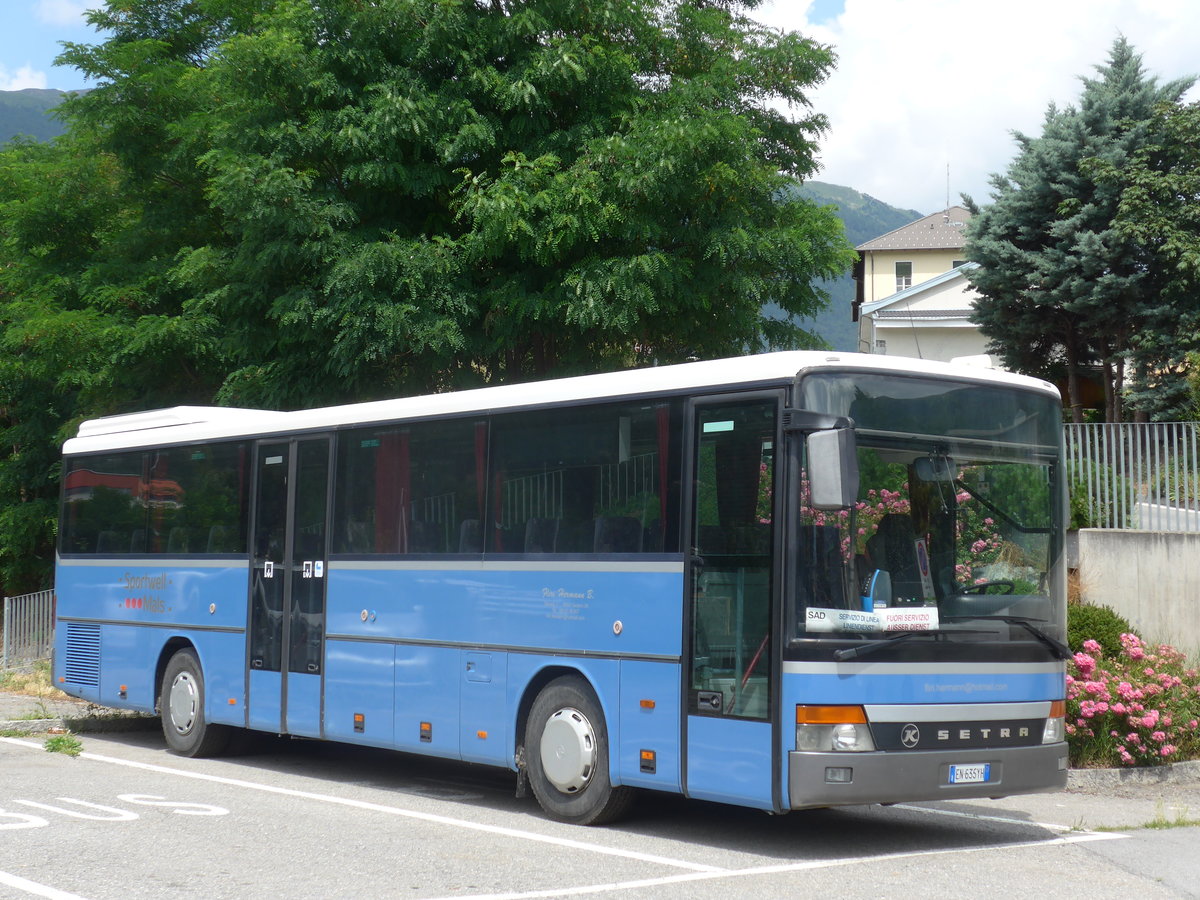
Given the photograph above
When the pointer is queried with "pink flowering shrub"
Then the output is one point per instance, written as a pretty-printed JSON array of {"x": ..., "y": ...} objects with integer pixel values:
[
  {"x": 975, "y": 532},
  {"x": 766, "y": 494},
  {"x": 1141, "y": 708},
  {"x": 979, "y": 543}
]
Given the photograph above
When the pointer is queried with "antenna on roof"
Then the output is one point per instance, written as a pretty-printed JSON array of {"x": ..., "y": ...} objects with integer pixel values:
[{"x": 946, "y": 214}]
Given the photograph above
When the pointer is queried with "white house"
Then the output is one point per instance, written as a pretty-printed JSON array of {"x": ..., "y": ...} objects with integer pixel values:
[
  {"x": 929, "y": 320},
  {"x": 912, "y": 298}
]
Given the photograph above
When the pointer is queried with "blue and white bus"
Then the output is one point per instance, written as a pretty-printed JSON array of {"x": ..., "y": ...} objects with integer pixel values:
[{"x": 783, "y": 581}]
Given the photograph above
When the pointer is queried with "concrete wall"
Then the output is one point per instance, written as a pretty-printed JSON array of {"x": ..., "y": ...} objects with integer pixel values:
[
  {"x": 1152, "y": 578},
  {"x": 927, "y": 342}
]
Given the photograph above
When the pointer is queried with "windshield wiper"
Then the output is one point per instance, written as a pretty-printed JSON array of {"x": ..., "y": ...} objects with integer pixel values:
[
  {"x": 997, "y": 511},
  {"x": 872, "y": 646},
  {"x": 1061, "y": 650}
]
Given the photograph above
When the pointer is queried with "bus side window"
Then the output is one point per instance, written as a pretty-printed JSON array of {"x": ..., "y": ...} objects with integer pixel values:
[
  {"x": 587, "y": 480},
  {"x": 408, "y": 488}
]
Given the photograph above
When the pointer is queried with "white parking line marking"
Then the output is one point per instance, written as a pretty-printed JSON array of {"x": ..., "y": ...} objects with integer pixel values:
[
  {"x": 118, "y": 815},
  {"x": 499, "y": 830},
  {"x": 782, "y": 869},
  {"x": 32, "y": 887},
  {"x": 1004, "y": 820},
  {"x": 698, "y": 872}
]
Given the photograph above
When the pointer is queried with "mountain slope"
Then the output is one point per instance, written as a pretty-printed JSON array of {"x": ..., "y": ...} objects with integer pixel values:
[
  {"x": 864, "y": 218},
  {"x": 27, "y": 112}
]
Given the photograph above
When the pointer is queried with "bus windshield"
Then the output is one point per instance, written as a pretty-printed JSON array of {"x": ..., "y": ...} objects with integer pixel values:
[{"x": 954, "y": 527}]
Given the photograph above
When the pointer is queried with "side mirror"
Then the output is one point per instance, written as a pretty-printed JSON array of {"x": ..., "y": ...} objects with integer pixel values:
[{"x": 832, "y": 469}]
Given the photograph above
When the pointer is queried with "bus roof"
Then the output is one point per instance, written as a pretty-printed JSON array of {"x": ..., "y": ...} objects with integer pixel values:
[{"x": 191, "y": 424}]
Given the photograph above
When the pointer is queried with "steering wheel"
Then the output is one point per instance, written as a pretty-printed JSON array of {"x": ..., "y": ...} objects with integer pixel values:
[{"x": 982, "y": 587}]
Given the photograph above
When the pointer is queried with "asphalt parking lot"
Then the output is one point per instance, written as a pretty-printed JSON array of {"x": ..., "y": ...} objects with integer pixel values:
[{"x": 126, "y": 819}]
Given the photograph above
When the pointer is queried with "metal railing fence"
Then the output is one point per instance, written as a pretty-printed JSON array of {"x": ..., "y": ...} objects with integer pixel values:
[
  {"x": 28, "y": 630},
  {"x": 1136, "y": 475}
]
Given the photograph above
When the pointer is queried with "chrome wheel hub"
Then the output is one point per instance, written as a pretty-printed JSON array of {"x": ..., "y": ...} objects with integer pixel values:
[
  {"x": 183, "y": 702},
  {"x": 568, "y": 750}
]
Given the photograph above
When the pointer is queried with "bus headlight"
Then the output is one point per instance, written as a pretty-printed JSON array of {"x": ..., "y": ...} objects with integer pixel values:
[
  {"x": 852, "y": 738},
  {"x": 841, "y": 729},
  {"x": 1055, "y": 730}
]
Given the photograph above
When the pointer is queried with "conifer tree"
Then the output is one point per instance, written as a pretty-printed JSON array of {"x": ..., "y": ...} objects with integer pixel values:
[
  {"x": 1063, "y": 290},
  {"x": 1157, "y": 210}
]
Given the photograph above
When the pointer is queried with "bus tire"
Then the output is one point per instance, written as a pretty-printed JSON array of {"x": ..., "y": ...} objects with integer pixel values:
[
  {"x": 566, "y": 755},
  {"x": 186, "y": 731}
]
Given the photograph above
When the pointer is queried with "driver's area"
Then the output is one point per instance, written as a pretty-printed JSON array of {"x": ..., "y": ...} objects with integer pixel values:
[{"x": 939, "y": 533}]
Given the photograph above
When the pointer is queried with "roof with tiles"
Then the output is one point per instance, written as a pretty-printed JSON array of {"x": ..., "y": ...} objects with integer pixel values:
[{"x": 945, "y": 230}]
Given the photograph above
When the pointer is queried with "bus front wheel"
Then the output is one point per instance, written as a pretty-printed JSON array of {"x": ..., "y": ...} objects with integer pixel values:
[
  {"x": 566, "y": 755},
  {"x": 186, "y": 730}
]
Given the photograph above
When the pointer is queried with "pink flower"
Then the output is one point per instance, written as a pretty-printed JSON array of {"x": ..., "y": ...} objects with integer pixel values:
[
  {"x": 1132, "y": 645},
  {"x": 1091, "y": 646}
]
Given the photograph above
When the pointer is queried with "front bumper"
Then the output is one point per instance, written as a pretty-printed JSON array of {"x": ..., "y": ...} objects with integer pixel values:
[{"x": 898, "y": 777}]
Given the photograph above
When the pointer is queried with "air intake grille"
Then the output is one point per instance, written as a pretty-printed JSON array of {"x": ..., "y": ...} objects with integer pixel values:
[{"x": 83, "y": 655}]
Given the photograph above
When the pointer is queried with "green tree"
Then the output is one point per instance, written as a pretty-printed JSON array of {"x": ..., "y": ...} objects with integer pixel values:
[
  {"x": 1063, "y": 289},
  {"x": 52, "y": 203},
  {"x": 1157, "y": 210},
  {"x": 276, "y": 202},
  {"x": 93, "y": 319},
  {"x": 456, "y": 192}
]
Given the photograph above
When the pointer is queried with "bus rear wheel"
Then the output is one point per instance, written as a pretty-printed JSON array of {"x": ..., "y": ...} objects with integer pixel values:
[
  {"x": 185, "y": 728},
  {"x": 566, "y": 756}
]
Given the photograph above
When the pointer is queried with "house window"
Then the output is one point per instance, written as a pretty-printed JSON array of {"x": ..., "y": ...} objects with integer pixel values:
[
  {"x": 880, "y": 346},
  {"x": 957, "y": 263},
  {"x": 903, "y": 275}
]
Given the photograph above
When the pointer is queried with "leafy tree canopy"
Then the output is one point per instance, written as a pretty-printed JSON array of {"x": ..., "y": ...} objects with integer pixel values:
[
  {"x": 286, "y": 203},
  {"x": 413, "y": 194}
]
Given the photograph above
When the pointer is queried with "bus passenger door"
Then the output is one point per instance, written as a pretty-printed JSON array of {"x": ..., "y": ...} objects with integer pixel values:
[
  {"x": 731, "y": 582},
  {"x": 287, "y": 587}
]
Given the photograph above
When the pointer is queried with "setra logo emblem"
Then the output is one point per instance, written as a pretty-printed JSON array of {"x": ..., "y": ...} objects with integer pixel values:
[{"x": 910, "y": 736}]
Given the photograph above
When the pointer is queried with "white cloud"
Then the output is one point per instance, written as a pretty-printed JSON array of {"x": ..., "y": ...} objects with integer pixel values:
[
  {"x": 63, "y": 12},
  {"x": 24, "y": 77},
  {"x": 922, "y": 85}
]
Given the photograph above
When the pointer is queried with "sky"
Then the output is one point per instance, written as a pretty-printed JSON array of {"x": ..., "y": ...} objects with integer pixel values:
[{"x": 922, "y": 104}]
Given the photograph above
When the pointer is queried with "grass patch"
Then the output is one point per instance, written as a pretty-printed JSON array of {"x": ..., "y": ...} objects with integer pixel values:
[
  {"x": 34, "y": 683},
  {"x": 1180, "y": 819},
  {"x": 63, "y": 743},
  {"x": 1160, "y": 822}
]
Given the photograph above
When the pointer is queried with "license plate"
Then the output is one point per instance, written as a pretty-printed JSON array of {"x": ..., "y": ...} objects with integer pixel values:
[{"x": 975, "y": 773}]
